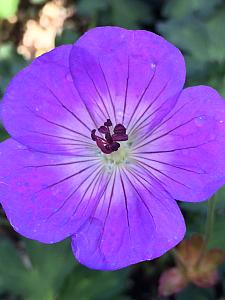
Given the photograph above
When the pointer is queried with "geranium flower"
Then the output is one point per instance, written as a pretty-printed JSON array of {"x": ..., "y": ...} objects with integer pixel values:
[{"x": 104, "y": 140}]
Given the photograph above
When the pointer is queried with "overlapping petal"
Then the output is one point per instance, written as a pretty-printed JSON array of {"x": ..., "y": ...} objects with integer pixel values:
[
  {"x": 127, "y": 76},
  {"x": 186, "y": 150},
  {"x": 48, "y": 197},
  {"x": 42, "y": 109},
  {"x": 136, "y": 220}
]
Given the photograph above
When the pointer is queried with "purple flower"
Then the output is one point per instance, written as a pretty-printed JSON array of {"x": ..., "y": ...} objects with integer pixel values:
[{"x": 104, "y": 140}]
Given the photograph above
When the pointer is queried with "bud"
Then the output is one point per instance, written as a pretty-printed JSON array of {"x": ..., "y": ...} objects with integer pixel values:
[{"x": 193, "y": 265}]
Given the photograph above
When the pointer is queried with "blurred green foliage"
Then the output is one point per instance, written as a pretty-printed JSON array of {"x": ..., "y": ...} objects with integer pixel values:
[
  {"x": 124, "y": 13},
  {"x": 47, "y": 272},
  {"x": 197, "y": 28},
  {"x": 32, "y": 271},
  {"x": 8, "y": 8},
  {"x": 36, "y": 271}
]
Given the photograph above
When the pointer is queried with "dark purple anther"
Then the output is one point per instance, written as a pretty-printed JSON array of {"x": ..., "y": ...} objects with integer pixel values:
[
  {"x": 93, "y": 135},
  {"x": 108, "y": 123},
  {"x": 119, "y": 133},
  {"x": 110, "y": 143},
  {"x": 103, "y": 129},
  {"x": 119, "y": 129},
  {"x": 120, "y": 137},
  {"x": 115, "y": 146}
]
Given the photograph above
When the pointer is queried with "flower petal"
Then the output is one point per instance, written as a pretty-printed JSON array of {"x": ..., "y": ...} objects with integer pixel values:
[
  {"x": 186, "y": 150},
  {"x": 41, "y": 107},
  {"x": 47, "y": 197},
  {"x": 127, "y": 76},
  {"x": 133, "y": 222}
]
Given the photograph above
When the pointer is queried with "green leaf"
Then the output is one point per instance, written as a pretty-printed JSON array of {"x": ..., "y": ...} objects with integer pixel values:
[
  {"x": 10, "y": 64},
  {"x": 201, "y": 207},
  {"x": 38, "y": 272},
  {"x": 195, "y": 216},
  {"x": 216, "y": 33},
  {"x": 125, "y": 13},
  {"x": 91, "y": 7},
  {"x": 201, "y": 38},
  {"x": 190, "y": 35},
  {"x": 37, "y": 1},
  {"x": 194, "y": 292},
  {"x": 11, "y": 268},
  {"x": 3, "y": 134},
  {"x": 85, "y": 284},
  {"x": 130, "y": 13},
  {"x": 68, "y": 36},
  {"x": 218, "y": 237},
  {"x": 8, "y": 8},
  {"x": 181, "y": 8}
]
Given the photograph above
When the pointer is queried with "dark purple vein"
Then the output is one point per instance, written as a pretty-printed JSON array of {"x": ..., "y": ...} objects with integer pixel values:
[
  {"x": 68, "y": 110},
  {"x": 141, "y": 98},
  {"x": 59, "y": 137},
  {"x": 108, "y": 89},
  {"x": 163, "y": 135},
  {"x": 168, "y": 119},
  {"x": 71, "y": 194},
  {"x": 126, "y": 204},
  {"x": 168, "y": 164},
  {"x": 162, "y": 173},
  {"x": 149, "y": 106},
  {"x": 69, "y": 177},
  {"x": 141, "y": 198},
  {"x": 138, "y": 176},
  {"x": 60, "y": 164},
  {"x": 92, "y": 183},
  {"x": 100, "y": 97},
  {"x": 126, "y": 89},
  {"x": 59, "y": 125},
  {"x": 171, "y": 150}
]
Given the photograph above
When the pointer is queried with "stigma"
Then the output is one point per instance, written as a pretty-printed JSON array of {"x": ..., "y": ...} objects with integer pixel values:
[{"x": 109, "y": 143}]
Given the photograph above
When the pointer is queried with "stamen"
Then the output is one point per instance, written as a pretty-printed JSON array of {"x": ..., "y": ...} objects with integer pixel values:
[
  {"x": 103, "y": 129},
  {"x": 108, "y": 123},
  {"x": 93, "y": 136},
  {"x": 119, "y": 128},
  {"x": 119, "y": 133},
  {"x": 110, "y": 143}
]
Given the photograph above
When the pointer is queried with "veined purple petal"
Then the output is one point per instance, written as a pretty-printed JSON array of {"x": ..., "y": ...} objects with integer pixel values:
[
  {"x": 127, "y": 76},
  {"x": 48, "y": 197},
  {"x": 186, "y": 150},
  {"x": 104, "y": 140},
  {"x": 136, "y": 220},
  {"x": 41, "y": 107}
]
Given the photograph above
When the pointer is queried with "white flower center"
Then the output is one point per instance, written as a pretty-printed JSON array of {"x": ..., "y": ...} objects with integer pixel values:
[{"x": 117, "y": 158}]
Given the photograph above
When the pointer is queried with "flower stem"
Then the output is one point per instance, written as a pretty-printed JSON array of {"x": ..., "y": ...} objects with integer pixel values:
[
  {"x": 210, "y": 218},
  {"x": 208, "y": 227},
  {"x": 179, "y": 261}
]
